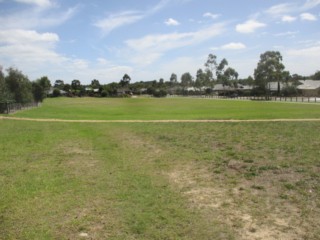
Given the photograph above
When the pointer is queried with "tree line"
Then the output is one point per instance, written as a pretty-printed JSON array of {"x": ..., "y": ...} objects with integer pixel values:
[
  {"x": 15, "y": 86},
  {"x": 270, "y": 68}
]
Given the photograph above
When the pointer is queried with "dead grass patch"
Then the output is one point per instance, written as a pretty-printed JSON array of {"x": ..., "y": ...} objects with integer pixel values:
[{"x": 253, "y": 213}]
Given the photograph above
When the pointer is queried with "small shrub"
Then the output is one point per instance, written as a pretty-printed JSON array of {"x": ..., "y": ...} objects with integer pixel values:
[
  {"x": 160, "y": 93},
  {"x": 56, "y": 93}
]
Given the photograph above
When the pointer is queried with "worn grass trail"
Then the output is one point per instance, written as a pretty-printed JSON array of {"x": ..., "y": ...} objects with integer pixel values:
[
  {"x": 159, "y": 181},
  {"x": 60, "y": 180}
]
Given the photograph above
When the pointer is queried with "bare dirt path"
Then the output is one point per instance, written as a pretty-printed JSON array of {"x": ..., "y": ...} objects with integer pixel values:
[{"x": 160, "y": 121}]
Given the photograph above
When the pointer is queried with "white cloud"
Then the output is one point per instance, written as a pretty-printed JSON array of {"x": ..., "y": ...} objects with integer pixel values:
[
  {"x": 152, "y": 47},
  {"x": 102, "y": 61},
  {"x": 308, "y": 17},
  {"x": 311, "y": 4},
  {"x": 28, "y": 47},
  {"x": 280, "y": 9},
  {"x": 211, "y": 15},
  {"x": 289, "y": 33},
  {"x": 32, "y": 19},
  {"x": 303, "y": 60},
  {"x": 164, "y": 42},
  {"x": 38, "y": 3},
  {"x": 172, "y": 22},
  {"x": 19, "y": 36},
  {"x": 313, "y": 51},
  {"x": 233, "y": 46},
  {"x": 249, "y": 26},
  {"x": 288, "y": 18},
  {"x": 35, "y": 53},
  {"x": 118, "y": 20}
]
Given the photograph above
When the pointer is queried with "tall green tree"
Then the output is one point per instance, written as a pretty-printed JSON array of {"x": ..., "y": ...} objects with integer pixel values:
[
  {"x": 211, "y": 65},
  {"x": 59, "y": 84},
  {"x": 45, "y": 83},
  {"x": 19, "y": 85},
  {"x": 269, "y": 69},
  {"x": 76, "y": 84},
  {"x": 186, "y": 80},
  {"x": 40, "y": 88},
  {"x": 230, "y": 76},
  {"x": 200, "y": 78},
  {"x": 316, "y": 76},
  {"x": 220, "y": 70},
  {"x": 66, "y": 87},
  {"x": 95, "y": 83},
  {"x": 5, "y": 94},
  {"x": 124, "y": 82},
  {"x": 173, "y": 79},
  {"x": 39, "y": 93}
]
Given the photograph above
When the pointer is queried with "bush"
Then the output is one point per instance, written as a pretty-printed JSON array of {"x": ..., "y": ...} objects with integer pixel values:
[
  {"x": 56, "y": 93},
  {"x": 289, "y": 91},
  {"x": 160, "y": 93}
]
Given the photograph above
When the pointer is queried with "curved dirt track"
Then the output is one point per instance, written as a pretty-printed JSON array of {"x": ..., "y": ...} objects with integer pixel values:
[{"x": 160, "y": 121}]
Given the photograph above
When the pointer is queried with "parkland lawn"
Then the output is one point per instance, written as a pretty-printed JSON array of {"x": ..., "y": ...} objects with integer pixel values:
[
  {"x": 245, "y": 180},
  {"x": 168, "y": 108}
]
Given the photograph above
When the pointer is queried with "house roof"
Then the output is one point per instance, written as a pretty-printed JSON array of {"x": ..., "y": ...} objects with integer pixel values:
[
  {"x": 245, "y": 87},
  {"x": 61, "y": 91},
  {"x": 273, "y": 86},
  {"x": 222, "y": 87},
  {"x": 309, "y": 84}
]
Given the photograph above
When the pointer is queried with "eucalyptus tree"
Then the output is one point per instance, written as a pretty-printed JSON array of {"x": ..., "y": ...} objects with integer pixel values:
[
  {"x": 19, "y": 85},
  {"x": 220, "y": 69},
  {"x": 173, "y": 79},
  {"x": 124, "y": 82},
  {"x": 95, "y": 83},
  {"x": 75, "y": 84},
  {"x": 59, "y": 84},
  {"x": 269, "y": 69},
  {"x": 45, "y": 83},
  {"x": 211, "y": 65},
  {"x": 200, "y": 79},
  {"x": 186, "y": 80},
  {"x": 230, "y": 76},
  {"x": 5, "y": 94}
]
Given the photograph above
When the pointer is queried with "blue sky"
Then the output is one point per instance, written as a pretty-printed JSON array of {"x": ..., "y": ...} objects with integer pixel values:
[{"x": 150, "y": 39}]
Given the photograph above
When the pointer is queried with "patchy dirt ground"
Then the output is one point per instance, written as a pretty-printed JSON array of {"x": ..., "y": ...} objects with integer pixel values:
[{"x": 252, "y": 212}]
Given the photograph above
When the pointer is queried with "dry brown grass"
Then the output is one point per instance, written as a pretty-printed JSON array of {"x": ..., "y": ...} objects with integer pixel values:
[{"x": 233, "y": 206}]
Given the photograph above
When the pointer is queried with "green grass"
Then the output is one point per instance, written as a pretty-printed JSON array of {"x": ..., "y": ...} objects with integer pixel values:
[
  {"x": 158, "y": 180},
  {"x": 168, "y": 108}
]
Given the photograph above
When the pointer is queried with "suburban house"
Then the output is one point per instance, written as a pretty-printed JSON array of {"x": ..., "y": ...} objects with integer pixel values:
[
  {"x": 223, "y": 89},
  {"x": 275, "y": 86},
  {"x": 123, "y": 91},
  {"x": 310, "y": 88},
  {"x": 62, "y": 92},
  {"x": 227, "y": 90}
]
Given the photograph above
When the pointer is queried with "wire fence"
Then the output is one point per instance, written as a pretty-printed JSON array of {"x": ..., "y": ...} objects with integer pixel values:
[
  {"x": 11, "y": 107},
  {"x": 259, "y": 98}
]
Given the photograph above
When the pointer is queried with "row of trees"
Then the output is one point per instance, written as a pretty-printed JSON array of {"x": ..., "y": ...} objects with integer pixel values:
[
  {"x": 16, "y": 87},
  {"x": 214, "y": 72}
]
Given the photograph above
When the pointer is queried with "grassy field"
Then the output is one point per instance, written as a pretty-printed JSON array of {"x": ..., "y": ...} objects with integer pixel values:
[
  {"x": 168, "y": 108},
  {"x": 159, "y": 180}
]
